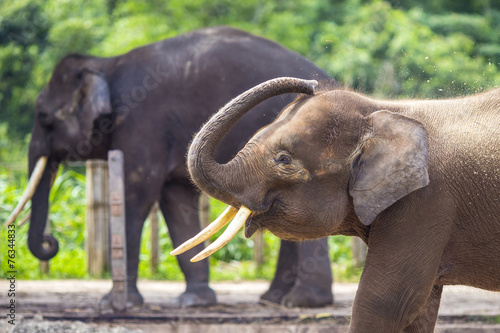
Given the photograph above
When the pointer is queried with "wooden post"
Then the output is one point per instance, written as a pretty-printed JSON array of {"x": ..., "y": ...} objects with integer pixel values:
[
  {"x": 153, "y": 220},
  {"x": 358, "y": 248},
  {"x": 44, "y": 264},
  {"x": 97, "y": 224},
  {"x": 204, "y": 212},
  {"x": 258, "y": 253},
  {"x": 117, "y": 230}
]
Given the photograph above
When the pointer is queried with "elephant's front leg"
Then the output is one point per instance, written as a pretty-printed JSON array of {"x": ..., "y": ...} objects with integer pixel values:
[
  {"x": 136, "y": 214},
  {"x": 390, "y": 302},
  {"x": 179, "y": 204},
  {"x": 427, "y": 317},
  {"x": 396, "y": 291},
  {"x": 303, "y": 275}
]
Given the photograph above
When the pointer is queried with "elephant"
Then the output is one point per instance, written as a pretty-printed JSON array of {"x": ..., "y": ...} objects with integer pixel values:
[
  {"x": 416, "y": 180},
  {"x": 148, "y": 103}
]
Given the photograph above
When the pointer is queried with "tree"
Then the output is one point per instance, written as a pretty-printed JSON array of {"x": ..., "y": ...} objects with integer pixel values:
[{"x": 23, "y": 36}]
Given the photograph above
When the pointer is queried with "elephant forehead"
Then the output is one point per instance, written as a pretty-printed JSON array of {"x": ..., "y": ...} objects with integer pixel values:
[
  {"x": 305, "y": 128},
  {"x": 290, "y": 136},
  {"x": 307, "y": 121}
]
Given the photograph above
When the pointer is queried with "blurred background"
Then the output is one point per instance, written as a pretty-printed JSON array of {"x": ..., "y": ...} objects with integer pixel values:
[{"x": 388, "y": 49}]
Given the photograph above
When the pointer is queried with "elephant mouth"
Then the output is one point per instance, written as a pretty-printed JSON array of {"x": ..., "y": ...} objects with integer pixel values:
[
  {"x": 250, "y": 228},
  {"x": 236, "y": 220},
  {"x": 261, "y": 220}
]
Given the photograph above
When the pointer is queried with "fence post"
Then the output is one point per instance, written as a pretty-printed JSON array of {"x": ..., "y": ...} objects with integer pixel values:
[
  {"x": 117, "y": 230},
  {"x": 153, "y": 220},
  {"x": 45, "y": 264},
  {"x": 204, "y": 212},
  {"x": 358, "y": 248},
  {"x": 97, "y": 224},
  {"x": 258, "y": 248}
]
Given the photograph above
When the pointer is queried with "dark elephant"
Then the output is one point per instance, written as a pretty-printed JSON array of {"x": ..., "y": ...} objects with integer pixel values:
[
  {"x": 418, "y": 181},
  {"x": 148, "y": 103}
]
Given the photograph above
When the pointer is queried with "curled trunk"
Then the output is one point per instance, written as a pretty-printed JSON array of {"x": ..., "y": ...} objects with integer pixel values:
[{"x": 220, "y": 180}]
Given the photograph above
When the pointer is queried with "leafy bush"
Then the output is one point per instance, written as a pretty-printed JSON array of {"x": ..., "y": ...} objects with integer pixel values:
[{"x": 394, "y": 54}]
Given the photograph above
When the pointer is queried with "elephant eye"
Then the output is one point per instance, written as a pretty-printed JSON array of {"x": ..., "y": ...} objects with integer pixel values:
[
  {"x": 284, "y": 159},
  {"x": 45, "y": 119},
  {"x": 79, "y": 75}
]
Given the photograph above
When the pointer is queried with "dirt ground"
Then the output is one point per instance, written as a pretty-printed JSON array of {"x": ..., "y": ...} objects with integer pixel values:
[{"x": 73, "y": 306}]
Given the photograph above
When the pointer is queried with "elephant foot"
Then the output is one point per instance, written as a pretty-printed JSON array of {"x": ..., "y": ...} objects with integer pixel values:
[
  {"x": 134, "y": 299},
  {"x": 273, "y": 295},
  {"x": 200, "y": 295},
  {"x": 300, "y": 296},
  {"x": 307, "y": 297}
]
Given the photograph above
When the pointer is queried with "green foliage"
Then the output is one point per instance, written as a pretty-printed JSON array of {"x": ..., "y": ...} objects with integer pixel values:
[
  {"x": 394, "y": 54},
  {"x": 444, "y": 6},
  {"x": 23, "y": 30},
  {"x": 341, "y": 256},
  {"x": 397, "y": 48}
]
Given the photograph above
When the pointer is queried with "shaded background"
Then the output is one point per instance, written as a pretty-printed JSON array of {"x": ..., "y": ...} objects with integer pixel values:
[{"x": 389, "y": 49}]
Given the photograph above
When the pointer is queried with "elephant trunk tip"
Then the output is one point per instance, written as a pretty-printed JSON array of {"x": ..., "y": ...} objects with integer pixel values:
[
  {"x": 313, "y": 84},
  {"x": 46, "y": 249}
]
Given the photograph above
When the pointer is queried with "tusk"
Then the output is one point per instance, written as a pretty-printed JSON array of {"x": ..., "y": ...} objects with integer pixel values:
[
  {"x": 27, "y": 217},
  {"x": 227, "y": 235},
  {"x": 24, "y": 219},
  {"x": 211, "y": 229},
  {"x": 30, "y": 189}
]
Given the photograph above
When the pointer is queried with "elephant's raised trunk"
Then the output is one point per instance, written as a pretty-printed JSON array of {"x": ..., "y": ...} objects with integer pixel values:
[
  {"x": 217, "y": 179},
  {"x": 214, "y": 178}
]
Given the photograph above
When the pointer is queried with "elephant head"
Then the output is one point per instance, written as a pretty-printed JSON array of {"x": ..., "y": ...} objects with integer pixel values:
[
  {"x": 72, "y": 120},
  {"x": 328, "y": 158}
]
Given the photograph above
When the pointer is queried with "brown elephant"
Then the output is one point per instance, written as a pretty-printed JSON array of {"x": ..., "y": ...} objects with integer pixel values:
[{"x": 418, "y": 181}]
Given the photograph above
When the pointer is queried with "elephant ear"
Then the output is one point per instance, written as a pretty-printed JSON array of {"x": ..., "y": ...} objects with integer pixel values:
[
  {"x": 96, "y": 99},
  {"x": 391, "y": 162}
]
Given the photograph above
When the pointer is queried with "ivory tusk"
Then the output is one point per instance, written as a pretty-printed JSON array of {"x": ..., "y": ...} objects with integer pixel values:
[
  {"x": 30, "y": 189},
  {"x": 28, "y": 215},
  {"x": 227, "y": 235},
  {"x": 24, "y": 219},
  {"x": 211, "y": 229}
]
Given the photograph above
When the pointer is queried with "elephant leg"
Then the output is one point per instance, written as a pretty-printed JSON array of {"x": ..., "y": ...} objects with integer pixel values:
[
  {"x": 286, "y": 273},
  {"x": 397, "y": 288},
  {"x": 136, "y": 217},
  {"x": 179, "y": 204},
  {"x": 303, "y": 276},
  {"x": 426, "y": 319},
  {"x": 313, "y": 284},
  {"x": 391, "y": 300}
]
